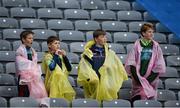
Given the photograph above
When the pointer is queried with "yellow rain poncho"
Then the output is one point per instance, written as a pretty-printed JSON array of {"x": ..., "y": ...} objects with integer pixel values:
[
  {"x": 112, "y": 74},
  {"x": 56, "y": 81}
]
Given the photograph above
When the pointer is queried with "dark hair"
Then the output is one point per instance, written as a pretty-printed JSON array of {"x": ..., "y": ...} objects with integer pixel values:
[
  {"x": 24, "y": 34},
  {"x": 52, "y": 39},
  {"x": 146, "y": 27},
  {"x": 98, "y": 32}
]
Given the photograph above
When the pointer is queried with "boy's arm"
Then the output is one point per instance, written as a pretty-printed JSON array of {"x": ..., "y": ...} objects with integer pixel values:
[{"x": 67, "y": 63}]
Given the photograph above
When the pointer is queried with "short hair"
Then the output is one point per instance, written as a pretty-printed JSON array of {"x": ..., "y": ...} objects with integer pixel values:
[
  {"x": 146, "y": 27},
  {"x": 98, "y": 32},
  {"x": 24, "y": 34},
  {"x": 52, "y": 39}
]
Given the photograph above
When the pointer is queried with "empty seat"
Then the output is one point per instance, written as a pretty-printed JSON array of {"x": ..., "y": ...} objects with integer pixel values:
[
  {"x": 169, "y": 49},
  {"x": 89, "y": 36},
  {"x": 35, "y": 45},
  {"x": 8, "y": 91},
  {"x": 67, "y": 4},
  {"x": 125, "y": 94},
  {"x": 137, "y": 6},
  {"x": 172, "y": 103},
  {"x": 40, "y": 3},
  {"x": 14, "y": 3},
  {"x": 74, "y": 71},
  {"x": 1, "y": 68},
  {"x": 71, "y": 81},
  {"x": 80, "y": 95},
  {"x": 86, "y": 25},
  {"x": 8, "y": 23},
  {"x": 160, "y": 37},
  {"x": 49, "y": 13},
  {"x": 3, "y": 102},
  {"x": 40, "y": 56},
  {"x": 5, "y": 45},
  {"x": 20, "y": 12},
  {"x": 12, "y": 33},
  {"x": 4, "y": 12},
  {"x": 129, "y": 16},
  {"x": 125, "y": 37},
  {"x": 171, "y": 72},
  {"x": 173, "y": 60},
  {"x": 165, "y": 95},
  {"x": 10, "y": 68},
  {"x": 23, "y": 102},
  {"x": 117, "y": 48},
  {"x": 73, "y": 58},
  {"x": 149, "y": 17},
  {"x": 114, "y": 26},
  {"x": 173, "y": 39},
  {"x": 172, "y": 83},
  {"x": 60, "y": 24},
  {"x": 77, "y": 47},
  {"x": 103, "y": 15},
  {"x": 43, "y": 34},
  {"x": 7, "y": 79},
  {"x": 92, "y": 4},
  {"x": 135, "y": 26},
  {"x": 127, "y": 84},
  {"x": 116, "y": 103},
  {"x": 85, "y": 103},
  {"x": 76, "y": 14},
  {"x": 63, "y": 46},
  {"x": 7, "y": 56},
  {"x": 160, "y": 84},
  {"x": 58, "y": 102},
  {"x": 161, "y": 28},
  {"x": 32, "y": 24},
  {"x": 146, "y": 103},
  {"x": 118, "y": 5},
  {"x": 71, "y": 36},
  {"x": 122, "y": 57},
  {"x": 179, "y": 95}
]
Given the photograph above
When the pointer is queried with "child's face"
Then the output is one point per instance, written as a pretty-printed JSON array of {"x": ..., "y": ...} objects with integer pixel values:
[
  {"x": 28, "y": 40},
  {"x": 54, "y": 46},
  {"x": 101, "y": 40}
]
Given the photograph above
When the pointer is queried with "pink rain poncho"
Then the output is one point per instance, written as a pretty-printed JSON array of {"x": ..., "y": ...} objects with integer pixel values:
[
  {"x": 156, "y": 64},
  {"x": 30, "y": 74}
]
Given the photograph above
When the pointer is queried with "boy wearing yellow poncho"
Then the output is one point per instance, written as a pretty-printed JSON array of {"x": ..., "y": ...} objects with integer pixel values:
[
  {"x": 100, "y": 71},
  {"x": 56, "y": 67}
]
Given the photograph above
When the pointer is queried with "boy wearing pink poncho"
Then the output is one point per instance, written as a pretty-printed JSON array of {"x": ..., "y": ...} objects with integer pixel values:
[
  {"x": 28, "y": 71},
  {"x": 144, "y": 64}
]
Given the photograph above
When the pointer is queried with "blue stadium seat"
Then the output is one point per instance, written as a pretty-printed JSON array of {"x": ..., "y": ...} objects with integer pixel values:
[
  {"x": 138, "y": 7},
  {"x": 161, "y": 28},
  {"x": 149, "y": 17}
]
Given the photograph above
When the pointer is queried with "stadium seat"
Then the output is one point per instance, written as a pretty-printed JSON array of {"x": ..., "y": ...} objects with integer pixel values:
[
  {"x": 10, "y": 68},
  {"x": 23, "y": 102},
  {"x": 14, "y": 3},
  {"x": 5, "y": 45},
  {"x": 165, "y": 95},
  {"x": 8, "y": 23},
  {"x": 172, "y": 84},
  {"x": 117, "y": 48},
  {"x": 1, "y": 68},
  {"x": 149, "y": 17},
  {"x": 87, "y": 25},
  {"x": 173, "y": 61},
  {"x": 171, "y": 72},
  {"x": 160, "y": 38},
  {"x": 58, "y": 102},
  {"x": 76, "y": 14},
  {"x": 117, "y": 103},
  {"x": 169, "y": 49},
  {"x": 103, "y": 15},
  {"x": 129, "y": 16},
  {"x": 122, "y": 57},
  {"x": 146, "y": 103},
  {"x": 79, "y": 95},
  {"x": 49, "y": 13},
  {"x": 7, "y": 80},
  {"x": 71, "y": 36},
  {"x": 161, "y": 28},
  {"x": 3, "y": 102},
  {"x": 4, "y": 12},
  {"x": 172, "y": 103},
  {"x": 138, "y": 7},
  {"x": 22, "y": 12},
  {"x": 43, "y": 34},
  {"x": 125, "y": 37},
  {"x": 125, "y": 94},
  {"x": 85, "y": 103},
  {"x": 71, "y": 81},
  {"x": 77, "y": 47},
  {"x": 60, "y": 25},
  {"x": 73, "y": 58},
  {"x": 11, "y": 34},
  {"x": 8, "y": 91},
  {"x": 40, "y": 3},
  {"x": 92, "y": 4},
  {"x": 135, "y": 26},
  {"x": 160, "y": 84},
  {"x": 118, "y": 5},
  {"x": 35, "y": 45},
  {"x": 89, "y": 36},
  {"x": 74, "y": 71},
  {"x": 32, "y": 24},
  {"x": 67, "y": 4},
  {"x": 127, "y": 84},
  {"x": 113, "y": 26},
  {"x": 7, "y": 56},
  {"x": 173, "y": 39}
]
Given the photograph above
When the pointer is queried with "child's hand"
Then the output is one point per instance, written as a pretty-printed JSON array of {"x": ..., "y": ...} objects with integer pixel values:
[{"x": 61, "y": 52}]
